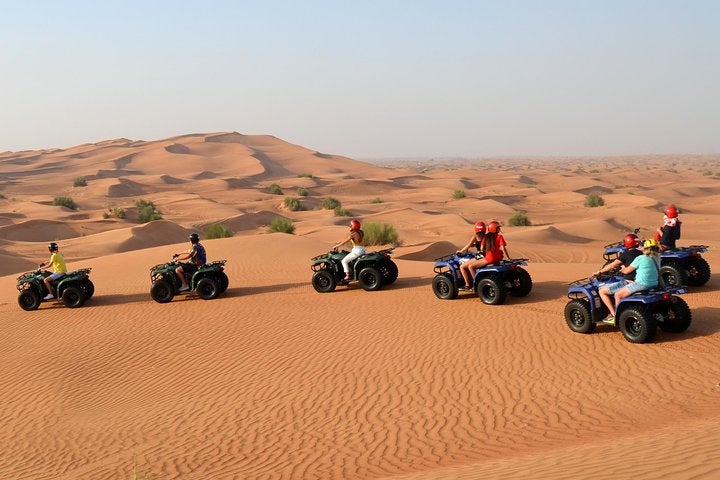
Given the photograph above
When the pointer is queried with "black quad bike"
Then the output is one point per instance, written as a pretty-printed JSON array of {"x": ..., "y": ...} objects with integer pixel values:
[
  {"x": 207, "y": 282},
  {"x": 371, "y": 271},
  {"x": 73, "y": 288}
]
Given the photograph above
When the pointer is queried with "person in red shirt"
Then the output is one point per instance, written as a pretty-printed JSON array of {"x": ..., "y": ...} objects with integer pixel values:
[{"x": 493, "y": 244}]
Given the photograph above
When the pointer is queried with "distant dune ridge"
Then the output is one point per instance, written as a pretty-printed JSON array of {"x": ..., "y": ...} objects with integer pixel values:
[{"x": 274, "y": 380}]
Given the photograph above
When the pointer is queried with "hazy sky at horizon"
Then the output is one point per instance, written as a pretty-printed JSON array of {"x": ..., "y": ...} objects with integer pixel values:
[{"x": 367, "y": 78}]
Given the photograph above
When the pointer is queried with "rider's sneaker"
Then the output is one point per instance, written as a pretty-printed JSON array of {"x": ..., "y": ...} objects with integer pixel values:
[
  {"x": 49, "y": 296},
  {"x": 466, "y": 289},
  {"x": 183, "y": 288},
  {"x": 609, "y": 320}
]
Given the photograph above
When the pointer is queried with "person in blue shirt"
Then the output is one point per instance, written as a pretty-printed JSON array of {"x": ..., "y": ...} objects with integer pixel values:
[
  {"x": 196, "y": 256},
  {"x": 647, "y": 276}
]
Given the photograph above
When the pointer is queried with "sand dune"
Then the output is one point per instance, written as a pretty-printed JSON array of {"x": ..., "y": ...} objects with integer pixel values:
[{"x": 274, "y": 380}]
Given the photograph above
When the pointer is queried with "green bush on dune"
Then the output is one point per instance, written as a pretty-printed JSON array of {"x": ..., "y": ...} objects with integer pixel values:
[
  {"x": 281, "y": 225},
  {"x": 594, "y": 200},
  {"x": 457, "y": 194},
  {"x": 380, "y": 234},
  {"x": 217, "y": 230},
  {"x": 80, "y": 182},
  {"x": 519, "y": 219},
  {"x": 275, "y": 189},
  {"x": 330, "y": 203},
  {"x": 147, "y": 211},
  {"x": 293, "y": 204},
  {"x": 65, "y": 202}
]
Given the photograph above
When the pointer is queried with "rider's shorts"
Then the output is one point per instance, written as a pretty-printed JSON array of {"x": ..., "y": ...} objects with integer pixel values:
[
  {"x": 634, "y": 287},
  {"x": 615, "y": 286}
]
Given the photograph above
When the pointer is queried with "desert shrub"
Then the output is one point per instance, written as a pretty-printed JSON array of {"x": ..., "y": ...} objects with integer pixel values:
[
  {"x": 594, "y": 200},
  {"x": 342, "y": 212},
  {"x": 65, "y": 202},
  {"x": 519, "y": 219},
  {"x": 376, "y": 200},
  {"x": 380, "y": 234},
  {"x": 306, "y": 175},
  {"x": 459, "y": 194},
  {"x": 106, "y": 215},
  {"x": 118, "y": 212},
  {"x": 2, "y": 196},
  {"x": 331, "y": 203},
  {"x": 302, "y": 192},
  {"x": 707, "y": 173},
  {"x": 282, "y": 225},
  {"x": 147, "y": 211},
  {"x": 217, "y": 230},
  {"x": 275, "y": 189},
  {"x": 80, "y": 182},
  {"x": 293, "y": 204}
]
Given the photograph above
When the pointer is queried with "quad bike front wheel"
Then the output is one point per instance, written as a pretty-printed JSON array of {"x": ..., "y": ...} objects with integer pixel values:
[
  {"x": 577, "y": 316},
  {"x": 161, "y": 291},
  {"x": 443, "y": 286},
  {"x": 323, "y": 281},
  {"x": 73, "y": 297},
  {"x": 673, "y": 275},
  {"x": 29, "y": 300}
]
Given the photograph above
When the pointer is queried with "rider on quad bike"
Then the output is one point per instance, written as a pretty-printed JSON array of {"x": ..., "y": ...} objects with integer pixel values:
[
  {"x": 59, "y": 269},
  {"x": 197, "y": 256},
  {"x": 356, "y": 238}
]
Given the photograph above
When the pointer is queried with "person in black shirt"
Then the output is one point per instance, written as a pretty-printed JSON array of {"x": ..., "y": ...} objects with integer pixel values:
[
  {"x": 670, "y": 230},
  {"x": 631, "y": 242}
]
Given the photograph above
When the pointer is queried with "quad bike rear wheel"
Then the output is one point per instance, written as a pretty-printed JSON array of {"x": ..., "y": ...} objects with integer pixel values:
[
  {"x": 698, "y": 272},
  {"x": 87, "y": 288},
  {"x": 637, "y": 324},
  {"x": 161, "y": 291},
  {"x": 491, "y": 290},
  {"x": 370, "y": 279},
  {"x": 389, "y": 270},
  {"x": 207, "y": 288},
  {"x": 677, "y": 316},
  {"x": 73, "y": 297},
  {"x": 520, "y": 283},
  {"x": 222, "y": 281}
]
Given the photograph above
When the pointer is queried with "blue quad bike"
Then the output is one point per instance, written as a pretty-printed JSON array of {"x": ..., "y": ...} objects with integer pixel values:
[
  {"x": 73, "y": 288},
  {"x": 678, "y": 266},
  {"x": 637, "y": 316},
  {"x": 372, "y": 270},
  {"x": 492, "y": 283}
]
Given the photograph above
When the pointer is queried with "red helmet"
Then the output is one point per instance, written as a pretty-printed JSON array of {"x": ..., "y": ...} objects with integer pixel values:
[
  {"x": 493, "y": 227},
  {"x": 631, "y": 240},
  {"x": 671, "y": 211},
  {"x": 354, "y": 224},
  {"x": 480, "y": 227}
]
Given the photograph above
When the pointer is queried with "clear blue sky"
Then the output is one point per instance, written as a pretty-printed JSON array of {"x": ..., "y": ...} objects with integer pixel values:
[{"x": 367, "y": 78}]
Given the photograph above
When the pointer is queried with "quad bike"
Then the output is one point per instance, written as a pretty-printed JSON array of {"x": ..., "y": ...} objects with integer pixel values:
[
  {"x": 637, "y": 316},
  {"x": 678, "y": 266},
  {"x": 208, "y": 281},
  {"x": 372, "y": 270},
  {"x": 492, "y": 283},
  {"x": 74, "y": 288}
]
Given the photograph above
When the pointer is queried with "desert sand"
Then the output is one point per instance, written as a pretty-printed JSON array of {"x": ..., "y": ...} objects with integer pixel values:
[{"x": 275, "y": 380}]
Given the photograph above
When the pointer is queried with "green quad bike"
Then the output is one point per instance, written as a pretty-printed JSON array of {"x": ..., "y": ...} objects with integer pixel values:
[
  {"x": 73, "y": 288},
  {"x": 371, "y": 271},
  {"x": 208, "y": 281}
]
